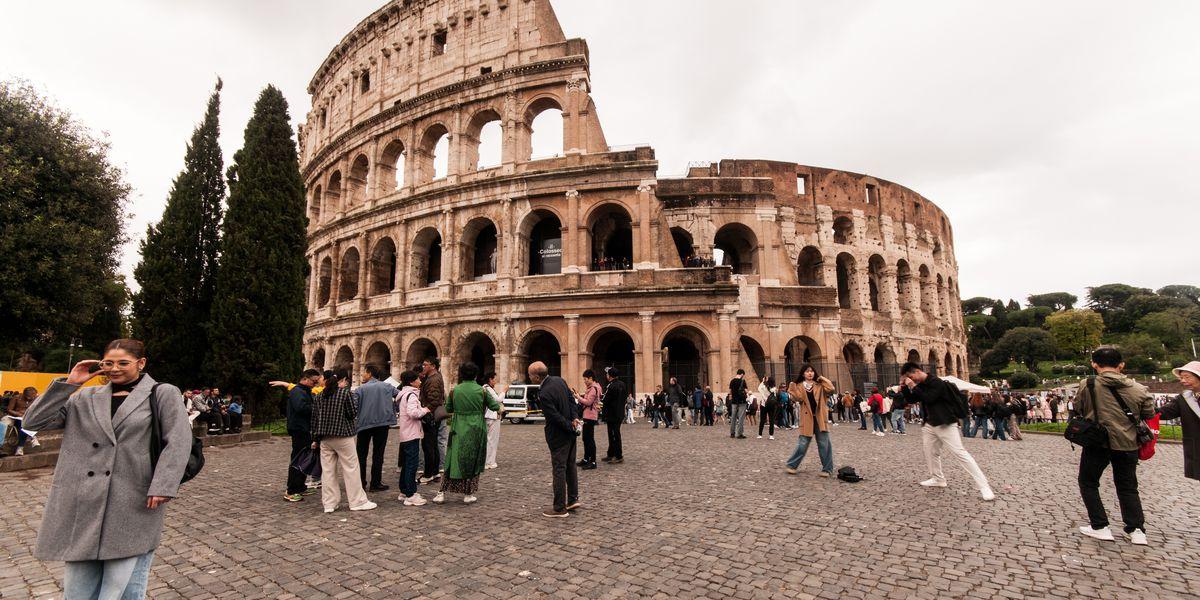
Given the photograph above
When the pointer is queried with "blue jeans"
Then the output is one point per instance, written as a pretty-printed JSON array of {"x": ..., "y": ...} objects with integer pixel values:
[
  {"x": 898, "y": 420},
  {"x": 116, "y": 579},
  {"x": 410, "y": 458},
  {"x": 823, "y": 448},
  {"x": 877, "y": 422},
  {"x": 980, "y": 421},
  {"x": 999, "y": 429}
]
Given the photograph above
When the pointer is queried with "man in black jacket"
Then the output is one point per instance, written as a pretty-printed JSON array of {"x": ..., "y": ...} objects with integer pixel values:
[
  {"x": 941, "y": 408},
  {"x": 558, "y": 407},
  {"x": 737, "y": 405},
  {"x": 613, "y": 414},
  {"x": 299, "y": 416}
]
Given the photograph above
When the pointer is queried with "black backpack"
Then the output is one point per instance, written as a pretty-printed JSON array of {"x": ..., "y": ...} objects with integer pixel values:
[
  {"x": 962, "y": 407},
  {"x": 848, "y": 475},
  {"x": 195, "y": 460}
]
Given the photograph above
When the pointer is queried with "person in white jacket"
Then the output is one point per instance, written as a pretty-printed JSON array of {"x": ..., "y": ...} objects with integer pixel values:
[{"x": 492, "y": 418}]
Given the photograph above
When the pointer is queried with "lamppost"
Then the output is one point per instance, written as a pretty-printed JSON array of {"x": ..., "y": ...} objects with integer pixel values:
[{"x": 71, "y": 354}]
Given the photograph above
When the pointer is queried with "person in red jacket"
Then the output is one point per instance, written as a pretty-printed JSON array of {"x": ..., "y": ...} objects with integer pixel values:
[{"x": 875, "y": 402}]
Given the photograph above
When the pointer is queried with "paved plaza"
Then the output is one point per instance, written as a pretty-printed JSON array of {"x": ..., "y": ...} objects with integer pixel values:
[{"x": 692, "y": 513}]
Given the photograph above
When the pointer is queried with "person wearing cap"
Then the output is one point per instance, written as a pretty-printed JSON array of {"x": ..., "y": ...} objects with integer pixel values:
[{"x": 1186, "y": 408}]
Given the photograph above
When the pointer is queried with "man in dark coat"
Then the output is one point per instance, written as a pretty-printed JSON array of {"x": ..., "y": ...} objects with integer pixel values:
[
  {"x": 299, "y": 417},
  {"x": 941, "y": 408},
  {"x": 558, "y": 407},
  {"x": 613, "y": 414}
]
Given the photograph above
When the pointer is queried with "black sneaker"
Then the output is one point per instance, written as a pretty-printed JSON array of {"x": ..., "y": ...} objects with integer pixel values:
[
  {"x": 555, "y": 514},
  {"x": 380, "y": 488},
  {"x": 617, "y": 461},
  {"x": 741, "y": 437},
  {"x": 587, "y": 466}
]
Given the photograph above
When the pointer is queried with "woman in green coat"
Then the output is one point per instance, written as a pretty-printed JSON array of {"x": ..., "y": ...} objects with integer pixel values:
[{"x": 466, "y": 450}]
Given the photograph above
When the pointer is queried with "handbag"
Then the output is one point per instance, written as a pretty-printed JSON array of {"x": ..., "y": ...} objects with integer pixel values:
[
  {"x": 308, "y": 461},
  {"x": 1145, "y": 436},
  {"x": 1083, "y": 432},
  {"x": 195, "y": 458}
]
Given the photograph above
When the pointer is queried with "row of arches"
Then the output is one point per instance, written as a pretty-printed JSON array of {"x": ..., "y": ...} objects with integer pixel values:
[
  {"x": 484, "y": 143},
  {"x": 932, "y": 294}
]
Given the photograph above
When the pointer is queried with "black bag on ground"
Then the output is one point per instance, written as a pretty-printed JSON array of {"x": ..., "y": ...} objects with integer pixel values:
[
  {"x": 195, "y": 460},
  {"x": 1084, "y": 432},
  {"x": 848, "y": 475}
]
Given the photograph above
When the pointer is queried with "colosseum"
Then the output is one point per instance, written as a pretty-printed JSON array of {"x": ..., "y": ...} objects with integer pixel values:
[{"x": 440, "y": 224}]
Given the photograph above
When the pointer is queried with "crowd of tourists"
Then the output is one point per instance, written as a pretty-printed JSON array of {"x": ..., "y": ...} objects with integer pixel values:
[{"x": 448, "y": 438}]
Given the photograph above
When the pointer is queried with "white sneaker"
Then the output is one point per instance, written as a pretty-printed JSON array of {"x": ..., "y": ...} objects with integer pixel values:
[
  {"x": 760, "y": 437},
  {"x": 491, "y": 466},
  {"x": 1138, "y": 538},
  {"x": 772, "y": 437},
  {"x": 329, "y": 510},
  {"x": 368, "y": 505},
  {"x": 19, "y": 452},
  {"x": 470, "y": 499},
  {"x": 414, "y": 500},
  {"x": 1100, "y": 534},
  {"x": 34, "y": 443},
  {"x": 987, "y": 494},
  {"x": 933, "y": 482},
  {"x": 439, "y": 498}
]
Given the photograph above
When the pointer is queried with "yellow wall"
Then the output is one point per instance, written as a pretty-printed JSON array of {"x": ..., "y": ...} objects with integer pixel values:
[{"x": 18, "y": 381}]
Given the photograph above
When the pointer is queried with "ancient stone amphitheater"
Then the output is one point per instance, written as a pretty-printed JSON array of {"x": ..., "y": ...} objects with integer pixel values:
[{"x": 464, "y": 203}]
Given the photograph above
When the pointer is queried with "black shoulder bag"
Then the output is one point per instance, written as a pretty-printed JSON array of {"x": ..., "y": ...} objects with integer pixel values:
[
  {"x": 195, "y": 460},
  {"x": 1087, "y": 433}
]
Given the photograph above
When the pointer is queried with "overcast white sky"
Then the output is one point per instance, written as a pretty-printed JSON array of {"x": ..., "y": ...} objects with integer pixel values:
[{"x": 1062, "y": 138}]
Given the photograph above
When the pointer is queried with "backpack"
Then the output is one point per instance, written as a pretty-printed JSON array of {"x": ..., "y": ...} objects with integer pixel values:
[
  {"x": 195, "y": 458},
  {"x": 848, "y": 475},
  {"x": 962, "y": 408}
]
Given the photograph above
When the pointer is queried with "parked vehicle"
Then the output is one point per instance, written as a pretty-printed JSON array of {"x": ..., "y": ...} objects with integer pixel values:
[{"x": 520, "y": 403}]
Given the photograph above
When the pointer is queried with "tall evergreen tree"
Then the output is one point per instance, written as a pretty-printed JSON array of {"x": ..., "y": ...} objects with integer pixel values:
[
  {"x": 177, "y": 273},
  {"x": 259, "y": 310}
]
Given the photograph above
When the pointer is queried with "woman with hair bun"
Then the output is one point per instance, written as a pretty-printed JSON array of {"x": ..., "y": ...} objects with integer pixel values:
[{"x": 334, "y": 415}]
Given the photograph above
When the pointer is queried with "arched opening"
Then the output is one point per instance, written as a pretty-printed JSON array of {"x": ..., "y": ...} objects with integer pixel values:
[
  {"x": 754, "y": 354},
  {"x": 875, "y": 267},
  {"x": 325, "y": 282},
  {"x": 383, "y": 267},
  {"x": 847, "y": 280},
  {"x": 904, "y": 285},
  {"x": 348, "y": 275},
  {"x": 318, "y": 359},
  {"x": 810, "y": 269},
  {"x": 543, "y": 233},
  {"x": 344, "y": 359},
  {"x": 418, "y": 351},
  {"x": 914, "y": 357},
  {"x": 379, "y": 354},
  {"x": 927, "y": 293},
  {"x": 800, "y": 351},
  {"x": 547, "y": 135},
  {"x": 948, "y": 361},
  {"x": 479, "y": 349},
  {"x": 843, "y": 230},
  {"x": 391, "y": 166},
  {"x": 856, "y": 366},
  {"x": 356, "y": 183},
  {"x": 481, "y": 250},
  {"x": 314, "y": 206},
  {"x": 933, "y": 363},
  {"x": 685, "y": 247},
  {"x": 614, "y": 348},
  {"x": 887, "y": 370},
  {"x": 736, "y": 246},
  {"x": 612, "y": 239},
  {"x": 434, "y": 153},
  {"x": 685, "y": 350},
  {"x": 484, "y": 140},
  {"x": 540, "y": 346},
  {"x": 333, "y": 193},
  {"x": 427, "y": 258}
]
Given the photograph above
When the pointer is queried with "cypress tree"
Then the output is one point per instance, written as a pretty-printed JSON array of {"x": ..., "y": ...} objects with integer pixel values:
[
  {"x": 259, "y": 309},
  {"x": 177, "y": 272}
]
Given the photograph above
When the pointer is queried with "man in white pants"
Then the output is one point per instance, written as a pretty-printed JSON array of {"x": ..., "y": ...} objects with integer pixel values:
[{"x": 941, "y": 408}]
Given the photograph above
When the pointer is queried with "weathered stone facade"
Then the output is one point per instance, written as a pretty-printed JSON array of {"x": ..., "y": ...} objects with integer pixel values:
[{"x": 587, "y": 259}]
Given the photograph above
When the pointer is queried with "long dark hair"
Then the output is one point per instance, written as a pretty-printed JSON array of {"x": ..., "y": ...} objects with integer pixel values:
[
  {"x": 807, "y": 366},
  {"x": 332, "y": 378}
]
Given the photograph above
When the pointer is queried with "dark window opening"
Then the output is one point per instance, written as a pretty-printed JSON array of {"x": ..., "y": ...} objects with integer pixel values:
[
  {"x": 872, "y": 194},
  {"x": 485, "y": 70},
  {"x": 439, "y": 43},
  {"x": 365, "y": 83}
]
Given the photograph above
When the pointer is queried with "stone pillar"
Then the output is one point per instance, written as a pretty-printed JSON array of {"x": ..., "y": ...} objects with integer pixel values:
[
  {"x": 645, "y": 239},
  {"x": 646, "y": 351},
  {"x": 725, "y": 341},
  {"x": 449, "y": 253},
  {"x": 572, "y": 370},
  {"x": 412, "y": 160},
  {"x": 572, "y": 116},
  {"x": 402, "y": 261},
  {"x": 359, "y": 360},
  {"x": 774, "y": 350},
  {"x": 506, "y": 238},
  {"x": 768, "y": 249},
  {"x": 504, "y": 353},
  {"x": 314, "y": 285},
  {"x": 398, "y": 365},
  {"x": 889, "y": 302},
  {"x": 335, "y": 279},
  {"x": 571, "y": 237},
  {"x": 364, "y": 262}
]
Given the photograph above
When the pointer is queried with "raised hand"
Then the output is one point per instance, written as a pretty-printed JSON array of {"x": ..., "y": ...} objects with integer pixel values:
[{"x": 82, "y": 372}]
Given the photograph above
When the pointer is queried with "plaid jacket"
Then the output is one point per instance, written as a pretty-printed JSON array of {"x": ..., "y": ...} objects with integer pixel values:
[{"x": 334, "y": 414}]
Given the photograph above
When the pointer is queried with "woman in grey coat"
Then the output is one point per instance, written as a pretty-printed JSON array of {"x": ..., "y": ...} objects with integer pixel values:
[{"x": 104, "y": 517}]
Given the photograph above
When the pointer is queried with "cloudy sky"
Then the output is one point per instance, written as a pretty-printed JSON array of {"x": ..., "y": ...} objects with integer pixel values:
[{"x": 1062, "y": 138}]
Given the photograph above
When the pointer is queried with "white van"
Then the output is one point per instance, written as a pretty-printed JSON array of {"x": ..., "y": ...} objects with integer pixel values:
[{"x": 520, "y": 403}]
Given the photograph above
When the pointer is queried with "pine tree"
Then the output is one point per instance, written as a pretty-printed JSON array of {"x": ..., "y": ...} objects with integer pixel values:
[
  {"x": 259, "y": 310},
  {"x": 177, "y": 274}
]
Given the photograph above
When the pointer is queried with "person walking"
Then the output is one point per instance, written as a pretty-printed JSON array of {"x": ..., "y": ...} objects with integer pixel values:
[
  {"x": 657, "y": 408},
  {"x": 898, "y": 408},
  {"x": 493, "y": 419},
  {"x": 678, "y": 403},
  {"x": 590, "y": 402},
  {"x": 558, "y": 407},
  {"x": 612, "y": 417},
  {"x": 811, "y": 390},
  {"x": 697, "y": 405},
  {"x": 708, "y": 405},
  {"x": 1117, "y": 403},
  {"x": 1000, "y": 414},
  {"x": 408, "y": 423},
  {"x": 104, "y": 516},
  {"x": 376, "y": 417},
  {"x": 875, "y": 407},
  {"x": 299, "y": 427},
  {"x": 941, "y": 407},
  {"x": 333, "y": 431},
  {"x": 770, "y": 406},
  {"x": 433, "y": 397},
  {"x": 1186, "y": 408},
  {"x": 737, "y": 405},
  {"x": 1016, "y": 412},
  {"x": 466, "y": 447}
]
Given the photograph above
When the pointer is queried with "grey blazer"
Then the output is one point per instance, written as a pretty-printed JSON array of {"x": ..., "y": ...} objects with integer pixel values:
[{"x": 97, "y": 505}]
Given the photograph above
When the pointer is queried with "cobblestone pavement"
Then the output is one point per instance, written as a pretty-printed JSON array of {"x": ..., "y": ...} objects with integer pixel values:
[{"x": 691, "y": 513}]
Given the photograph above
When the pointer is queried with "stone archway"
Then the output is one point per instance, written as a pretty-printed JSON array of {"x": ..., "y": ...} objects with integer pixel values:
[
  {"x": 614, "y": 347},
  {"x": 685, "y": 356}
]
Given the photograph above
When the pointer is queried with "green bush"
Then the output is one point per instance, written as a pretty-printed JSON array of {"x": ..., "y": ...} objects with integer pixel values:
[
  {"x": 978, "y": 380},
  {"x": 1023, "y": 380}
]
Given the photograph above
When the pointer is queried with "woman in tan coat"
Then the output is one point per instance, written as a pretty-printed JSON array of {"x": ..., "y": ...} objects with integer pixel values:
[{"x": 811, "y": 390}]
